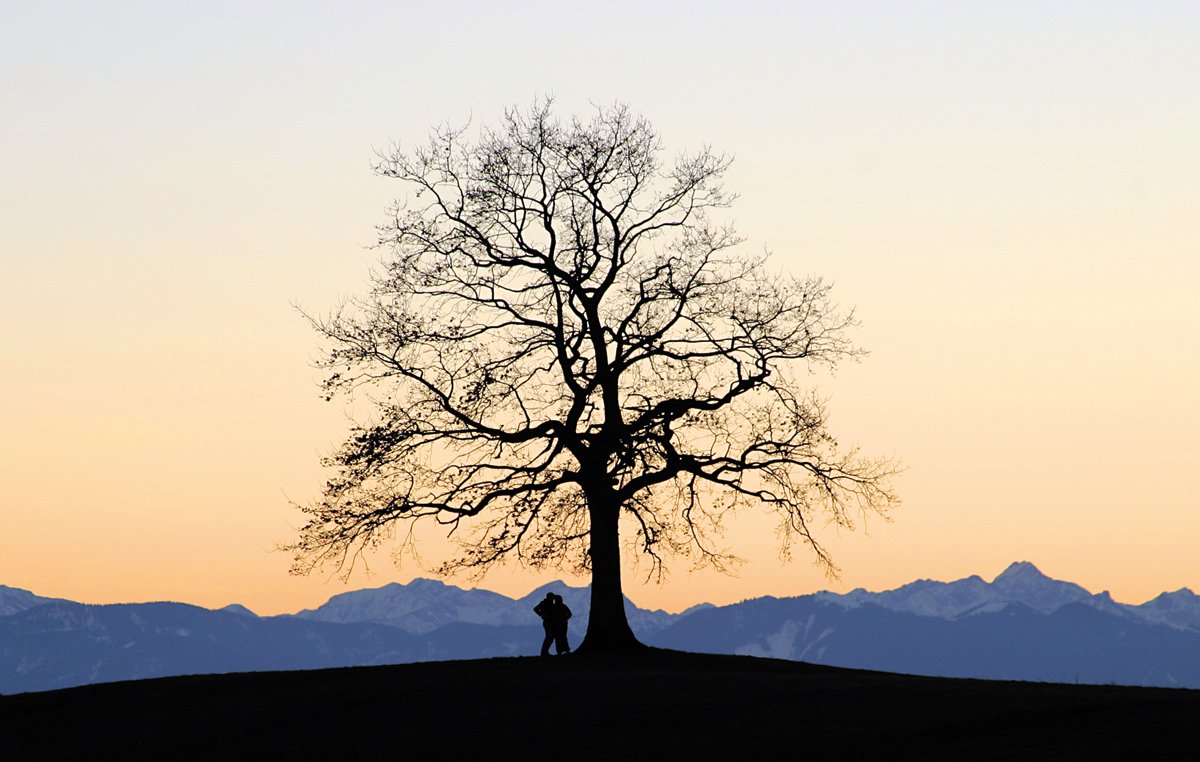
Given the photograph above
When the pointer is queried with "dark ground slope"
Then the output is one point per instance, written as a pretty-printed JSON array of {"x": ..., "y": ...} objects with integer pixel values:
[{"x": 663, "y": 705}]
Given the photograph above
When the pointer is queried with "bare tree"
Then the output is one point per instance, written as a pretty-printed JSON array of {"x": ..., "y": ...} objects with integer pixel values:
[{"x": 561, "y": 342}]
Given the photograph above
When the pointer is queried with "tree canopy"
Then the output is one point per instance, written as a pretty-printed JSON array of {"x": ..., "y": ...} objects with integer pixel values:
[{"x": 562, "y": 344}]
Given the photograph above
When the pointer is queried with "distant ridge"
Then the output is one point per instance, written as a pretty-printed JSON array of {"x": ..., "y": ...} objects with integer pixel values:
[
  {"x": 1022, "y": 625},
  {"x": 423, "y": 605},
  {"x": 237, "y": 608},
  {"x": 14, "y": 600},
  {"x": 1021, "y": 583}
]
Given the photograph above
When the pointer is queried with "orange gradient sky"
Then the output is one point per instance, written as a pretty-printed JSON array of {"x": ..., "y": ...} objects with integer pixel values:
[{"x": 1006, "y": 191}]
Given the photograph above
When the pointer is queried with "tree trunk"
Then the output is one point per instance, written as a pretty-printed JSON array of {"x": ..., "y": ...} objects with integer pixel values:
[{"x": 608, "y": 629}]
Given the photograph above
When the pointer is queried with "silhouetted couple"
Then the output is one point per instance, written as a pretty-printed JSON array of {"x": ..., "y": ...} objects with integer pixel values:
[{"x": 554, "y": 614}]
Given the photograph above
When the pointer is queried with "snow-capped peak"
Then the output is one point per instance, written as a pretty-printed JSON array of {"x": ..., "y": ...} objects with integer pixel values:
[
  {"x": 1020, "y": 570},
  {"x": 14, "y": 600},
  {"x": 1179, "y": 609},
  {"x": 1023, "y": 582}
]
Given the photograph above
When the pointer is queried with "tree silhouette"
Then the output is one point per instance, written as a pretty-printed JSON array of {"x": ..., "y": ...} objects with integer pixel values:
[{"x": 561, "y": 343}]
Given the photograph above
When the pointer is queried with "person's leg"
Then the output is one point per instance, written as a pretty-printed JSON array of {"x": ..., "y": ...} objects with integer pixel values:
[
  {"x": 560, "y": 641},
  {"x": 546, "y": 643}
]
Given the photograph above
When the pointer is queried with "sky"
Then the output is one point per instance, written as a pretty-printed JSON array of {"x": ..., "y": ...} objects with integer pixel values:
[{"x": 1005, "y": 191}]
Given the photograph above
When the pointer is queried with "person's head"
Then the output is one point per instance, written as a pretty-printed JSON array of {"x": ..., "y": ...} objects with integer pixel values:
[
  {"x": 550, "y": 597},
  {"x": 557, "y": 597}
]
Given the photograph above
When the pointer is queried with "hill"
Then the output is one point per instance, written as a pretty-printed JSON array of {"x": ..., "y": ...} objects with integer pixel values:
[{"x": 660, "y": 705}]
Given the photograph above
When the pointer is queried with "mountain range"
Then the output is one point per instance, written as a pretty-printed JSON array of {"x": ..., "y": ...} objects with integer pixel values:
[{"x": 1021, "y": 626}]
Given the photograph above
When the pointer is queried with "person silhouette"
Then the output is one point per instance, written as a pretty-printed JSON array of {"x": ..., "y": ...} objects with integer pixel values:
[
  {"x": 562, "y": 613},
  {"x": 554, "y": 614},
  {"x": 545, "y": 609}
]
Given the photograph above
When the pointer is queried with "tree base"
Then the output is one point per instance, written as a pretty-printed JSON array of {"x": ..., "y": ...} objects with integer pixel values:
[{"x": 610, "y": 644}]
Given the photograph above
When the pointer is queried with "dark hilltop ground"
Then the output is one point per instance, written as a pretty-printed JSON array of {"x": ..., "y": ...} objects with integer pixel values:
[{"x": 659, "y": 705}]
